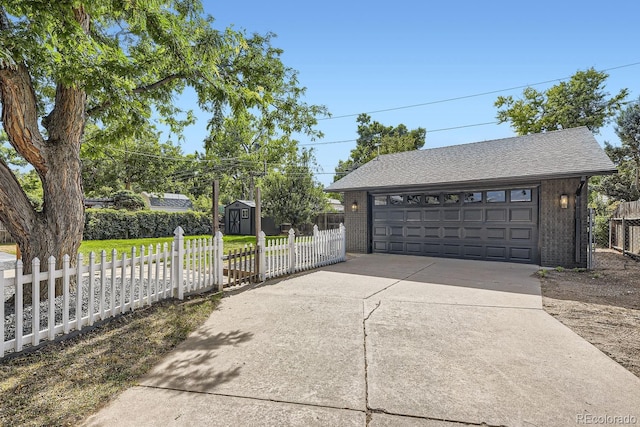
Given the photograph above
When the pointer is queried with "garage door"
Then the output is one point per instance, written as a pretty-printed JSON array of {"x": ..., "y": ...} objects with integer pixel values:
[{"x": 499, "y": 225}]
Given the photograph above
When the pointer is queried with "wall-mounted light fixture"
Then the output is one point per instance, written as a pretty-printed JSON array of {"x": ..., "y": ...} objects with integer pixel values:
[
  {"x": 564, "y": 201},
  {"x": 354, "y": 206}
]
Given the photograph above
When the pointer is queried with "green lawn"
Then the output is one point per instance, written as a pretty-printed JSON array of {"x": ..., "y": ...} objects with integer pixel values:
[{"x": 121, "y": 246}]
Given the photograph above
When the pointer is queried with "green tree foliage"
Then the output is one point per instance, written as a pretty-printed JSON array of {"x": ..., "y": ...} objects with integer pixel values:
[
  {"x": 67, "y": 66},
  {"x": 143, "y": 165},
  {"x": 243, "y": 149},
  {"x": 128, "y": 200},
  {"x": 291, "y": 195},
  {"x": 625, "y": 185},
  {"x": 375, "y": 138},
  {"x": 582, "y": 101}
]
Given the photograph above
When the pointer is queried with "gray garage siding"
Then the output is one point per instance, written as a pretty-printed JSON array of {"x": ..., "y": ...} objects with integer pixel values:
[{"x": 489, "y": 224}]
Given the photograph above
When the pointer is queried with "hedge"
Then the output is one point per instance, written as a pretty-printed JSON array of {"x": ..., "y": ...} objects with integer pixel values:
[{"x": 106, "y": 224}]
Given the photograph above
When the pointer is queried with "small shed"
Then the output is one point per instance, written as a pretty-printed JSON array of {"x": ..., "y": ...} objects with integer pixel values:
[{"x": 239, "y": 218}]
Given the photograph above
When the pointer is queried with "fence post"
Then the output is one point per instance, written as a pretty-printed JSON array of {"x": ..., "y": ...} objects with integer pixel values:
[
  {"x": 2, "y": 285},
  {"x": 343, "y": 242},
  {"x": 219, "y": 260},
  {"x": 292, "y": 251},
  {"x": 610, "y": 231},
  {"x": 178, "y": 263},
  {"x": 624, "y": 236},
  {"x": 262, "y": 258}
]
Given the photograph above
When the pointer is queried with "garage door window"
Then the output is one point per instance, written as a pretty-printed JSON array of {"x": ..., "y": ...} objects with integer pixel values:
[
  {"x": 380, "y": 200},
  {"x": 473, "y": 197},
  {"x": 451, "y": 198},
  {"x": 522, "y": 195},
  {"x": 414, "y": 199},
  {"x": 396, "y": 200},
  {"x": 496, "y": 196},
  {"x": 432, "y": 199}
]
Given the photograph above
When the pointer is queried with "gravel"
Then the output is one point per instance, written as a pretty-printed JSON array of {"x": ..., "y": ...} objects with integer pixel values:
[{"x": 9, "y": 306}]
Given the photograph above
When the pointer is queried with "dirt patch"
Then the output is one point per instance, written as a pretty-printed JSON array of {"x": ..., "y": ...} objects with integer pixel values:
[{"x": 601, "y": 305}]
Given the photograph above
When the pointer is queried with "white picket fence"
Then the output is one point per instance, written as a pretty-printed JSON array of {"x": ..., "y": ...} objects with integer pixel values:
[
  {"x": 290, "y": 255},
  {"x": 101, "y": 289}
]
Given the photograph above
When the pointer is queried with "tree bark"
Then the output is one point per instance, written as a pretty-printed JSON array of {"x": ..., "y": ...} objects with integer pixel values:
[{"x": 57, "y": 229}]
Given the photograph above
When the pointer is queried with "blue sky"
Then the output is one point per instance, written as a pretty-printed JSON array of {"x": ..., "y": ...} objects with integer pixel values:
[{"x": 356, "y": 56}]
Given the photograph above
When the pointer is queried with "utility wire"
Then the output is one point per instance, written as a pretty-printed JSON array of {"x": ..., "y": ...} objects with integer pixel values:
[{"x": 475, "y": 95}]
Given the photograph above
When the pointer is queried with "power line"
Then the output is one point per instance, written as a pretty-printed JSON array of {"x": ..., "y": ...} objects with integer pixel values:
[{"x": 493, "y": 92}]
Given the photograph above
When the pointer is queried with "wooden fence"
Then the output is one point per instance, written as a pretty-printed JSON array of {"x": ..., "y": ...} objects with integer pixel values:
[
  {"x": 108, "y": 286},
  {"x": 624, "y": 229}
]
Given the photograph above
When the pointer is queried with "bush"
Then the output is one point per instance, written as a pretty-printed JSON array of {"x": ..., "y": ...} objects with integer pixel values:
[
  {"x": 128, "y": 200},
  {"x": 601, "y": 231},
  {"x": 107, "y": 224}
]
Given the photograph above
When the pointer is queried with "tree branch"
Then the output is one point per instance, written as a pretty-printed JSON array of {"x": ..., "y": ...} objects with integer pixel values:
[
  {"x": 16, "y": 211},
  {"x": 19, "y": 115},
  {"x": 140, "y": 89}
]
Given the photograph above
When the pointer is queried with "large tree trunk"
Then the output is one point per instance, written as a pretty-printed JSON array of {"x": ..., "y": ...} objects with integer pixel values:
[{"x": 57, "y": 230}]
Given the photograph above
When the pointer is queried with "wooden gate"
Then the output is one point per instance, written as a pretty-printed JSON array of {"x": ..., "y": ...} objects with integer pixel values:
[{"x": 240, "y": 266}]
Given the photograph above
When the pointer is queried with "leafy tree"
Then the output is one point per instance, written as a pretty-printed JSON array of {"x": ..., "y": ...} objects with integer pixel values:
[
  {"x": 128, "y": 200},
  {"x": 292, "y": 195},
  {"x": 241, "y": 149},
  {"x": 582, "y": 101},
  {"x": 625, "y": 185},
  {"x": 66, "y": 65},
  {"x": 144, "y": 165},
  {"x": 375, "y": 138}
]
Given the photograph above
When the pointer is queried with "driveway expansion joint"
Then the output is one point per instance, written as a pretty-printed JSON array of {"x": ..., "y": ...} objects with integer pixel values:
[
  {"x": 371, "y": 411},
  {"x": 400, "y": 280},
  {"x": 260, "y": 399}
]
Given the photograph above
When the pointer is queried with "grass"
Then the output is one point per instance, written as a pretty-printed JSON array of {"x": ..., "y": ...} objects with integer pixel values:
[
  {"x": 124, "y": 246},
  {"x": 65, "y": 382}
]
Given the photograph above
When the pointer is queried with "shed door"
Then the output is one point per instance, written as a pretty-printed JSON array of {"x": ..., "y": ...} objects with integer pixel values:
[
  {"x": 500, "y": 225},
  {"x": 234, "y": 221}
]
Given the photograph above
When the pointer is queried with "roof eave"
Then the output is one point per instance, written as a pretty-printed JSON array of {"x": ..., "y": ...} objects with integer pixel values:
[{"x": 482, "y": 182}]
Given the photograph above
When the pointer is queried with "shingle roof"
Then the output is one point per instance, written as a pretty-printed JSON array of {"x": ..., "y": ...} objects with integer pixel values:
[
  {"x": 563, "y": 153},
  {"x": 250, "y": 203},
  {"x": 169, "y": 200}
]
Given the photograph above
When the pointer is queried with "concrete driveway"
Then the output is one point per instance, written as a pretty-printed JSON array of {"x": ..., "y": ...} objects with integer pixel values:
[{"x": 384, "y": 341}]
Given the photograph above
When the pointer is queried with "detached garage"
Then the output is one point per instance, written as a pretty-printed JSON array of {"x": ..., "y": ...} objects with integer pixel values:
[{"x": 521, "y": 199}]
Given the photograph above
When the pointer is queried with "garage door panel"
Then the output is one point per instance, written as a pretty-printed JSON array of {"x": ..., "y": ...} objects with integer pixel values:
[
  {"x": 520, "y": 254},
  {"x": 433, "y": 232},
  {"x": 497, "y": 233},
  {"x": 380, "y": 215},
  {"x": 414, "y": 231},
  {"x": 431, "y": 215},
  {"x": 473, "y": 251},
  {"x": 396, "y": 246},
  {"x": 521, "y": 234},
  {"x": 452, "y": 249},
  {"x": 501, "y": 228},
  {"x": 452, "y": 215},
  {"x": 379, "y": 246},
  {"x": 499, "y": 215},
  {"x": 451, "y": 232},
  {"x": 432, "y": 249},
  {"x": 521, "y": 214},
  {"x": 379, "y": 231},
  {"x": 396, "y": 230},
  {"x": 497, "y": 253},
  {"x": 396, "y": 215},
  {"x": 414, "y": 248},
  {"x": 414, "y": 215},
  {"x": 472, "y": 233},
  {"x": 472, "y": 215}
]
